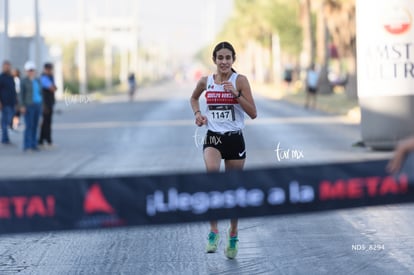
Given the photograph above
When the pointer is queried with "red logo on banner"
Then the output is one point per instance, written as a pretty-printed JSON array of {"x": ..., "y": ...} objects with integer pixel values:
[
  {"x": 95, "y": 201},
  {"x": 27, "y": 207},
  {"x": 357, "y": 188},
  {"x": 99, "y": 212}
]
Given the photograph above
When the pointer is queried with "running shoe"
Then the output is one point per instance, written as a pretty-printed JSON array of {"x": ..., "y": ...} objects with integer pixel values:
[
  {"x": 213, "y": 241},
  {"x": 232, "y": 246}
]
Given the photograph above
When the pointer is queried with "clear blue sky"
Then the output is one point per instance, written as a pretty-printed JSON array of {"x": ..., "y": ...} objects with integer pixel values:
[{"x": 181, "y": 22}]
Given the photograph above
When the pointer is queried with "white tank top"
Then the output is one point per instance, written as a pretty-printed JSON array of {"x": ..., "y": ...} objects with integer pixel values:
[{"x": 224, "y": 113}]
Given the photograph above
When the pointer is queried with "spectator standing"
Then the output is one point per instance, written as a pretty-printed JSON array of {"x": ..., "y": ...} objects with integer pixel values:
[
  {"x": 48, "y": 93},
  {"x": 8, "y": 100},
  {"x": 132, "y": 86},
  {"x": 312, "y": 81},
  {"x": 288, "y": 75},
  {"x": 30, "y": 105}
]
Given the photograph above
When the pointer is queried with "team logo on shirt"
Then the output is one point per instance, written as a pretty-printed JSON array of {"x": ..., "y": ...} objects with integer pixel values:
[{"x": 220, "y": 98}]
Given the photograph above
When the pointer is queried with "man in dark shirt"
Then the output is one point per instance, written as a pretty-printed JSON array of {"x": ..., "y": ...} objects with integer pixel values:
[
  {"x": 8, "y": 100},
  {"x": 48, "y": 92}
]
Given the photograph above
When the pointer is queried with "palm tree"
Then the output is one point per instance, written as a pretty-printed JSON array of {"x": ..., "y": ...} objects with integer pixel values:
[
  {"x": 335, "y": 24},
  {"x": 340, "y": 21},
  {"x": 308, "y": 44}
]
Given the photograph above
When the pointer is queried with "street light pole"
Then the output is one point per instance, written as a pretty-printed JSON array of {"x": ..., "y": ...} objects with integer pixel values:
[
  {"x": 134, "y": 37},
  {"x": 211, "y": 20},
  {"x": 38, "y": 53},
  {"x": 108, "y": 46},
  {"x": 82, "y": 76},
  {"x": 6, "y": 30}
]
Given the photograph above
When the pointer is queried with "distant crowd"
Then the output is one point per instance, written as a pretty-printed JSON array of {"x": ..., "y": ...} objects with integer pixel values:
[{"x": 30, "y": 97}]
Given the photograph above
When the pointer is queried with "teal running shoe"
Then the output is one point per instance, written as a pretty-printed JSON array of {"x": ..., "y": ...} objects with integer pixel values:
[
  {"x": 213, "y": 242},
  {"x": 232, "y": 246}
]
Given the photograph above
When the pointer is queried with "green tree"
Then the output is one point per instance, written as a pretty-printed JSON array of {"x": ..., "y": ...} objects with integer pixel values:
[
  {"x": 304, "y": 27},
  {"x": 259, "y": 22},
  {"x": 334, "y": 24},
  {"x": 96, "y": 73},
  {"x": 259, "y": 19}
]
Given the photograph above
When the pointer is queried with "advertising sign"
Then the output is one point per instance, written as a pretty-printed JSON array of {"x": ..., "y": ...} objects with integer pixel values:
[{"x": 385, "y": 47}]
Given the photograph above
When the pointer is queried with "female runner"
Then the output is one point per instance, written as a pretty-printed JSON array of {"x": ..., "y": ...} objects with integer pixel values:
[{"x": 228, "y": 97}]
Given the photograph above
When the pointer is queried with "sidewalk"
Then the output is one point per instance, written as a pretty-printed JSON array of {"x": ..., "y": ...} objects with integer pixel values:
[{"x": 336, "y": 103}]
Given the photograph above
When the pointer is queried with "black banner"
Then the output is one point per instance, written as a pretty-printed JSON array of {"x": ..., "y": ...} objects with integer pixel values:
[{"x": 82, "y": 203}]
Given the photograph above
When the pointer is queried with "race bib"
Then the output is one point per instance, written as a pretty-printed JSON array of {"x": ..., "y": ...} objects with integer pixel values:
[{"x": 220, "y": 113}]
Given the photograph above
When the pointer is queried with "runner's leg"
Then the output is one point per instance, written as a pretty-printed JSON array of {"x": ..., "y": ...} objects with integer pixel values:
[
  {"x": 231, "y": 248},
  {"x": 212, "y": 159},
  {"x": 234, "y": 164}
]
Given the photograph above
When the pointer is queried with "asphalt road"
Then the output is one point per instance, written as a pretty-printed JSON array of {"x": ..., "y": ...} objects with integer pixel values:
[{"x": 156, "y": 134}]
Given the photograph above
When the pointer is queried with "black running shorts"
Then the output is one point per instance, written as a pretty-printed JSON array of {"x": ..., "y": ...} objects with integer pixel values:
[
  {"x": 312, "y": 90},
  {"x": 229, "y": 144}
]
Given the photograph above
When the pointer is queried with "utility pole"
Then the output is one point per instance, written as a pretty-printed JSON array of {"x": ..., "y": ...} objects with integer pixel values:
[
  {"x": 276, "y": 58},
  {"x": 108, "y": 47},
  {"x": 6, "y": 53},
  {"x": 134, "y": 37},
  {"x": 82, "y": 75},
  {"x": 38, "y": 46},
  {"x": 211, "y": 20}
]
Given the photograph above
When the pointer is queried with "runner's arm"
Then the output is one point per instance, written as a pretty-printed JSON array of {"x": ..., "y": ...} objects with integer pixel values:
[
  {"x": 245, "y": 100},
  {"x": 47, "y": 84},
  {"x": 402, "y": 149},
  {"x": 195, "y": 104}
]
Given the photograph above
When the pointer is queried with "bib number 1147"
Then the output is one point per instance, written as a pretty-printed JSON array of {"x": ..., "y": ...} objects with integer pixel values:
[{"x": 222, "y": 112}]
